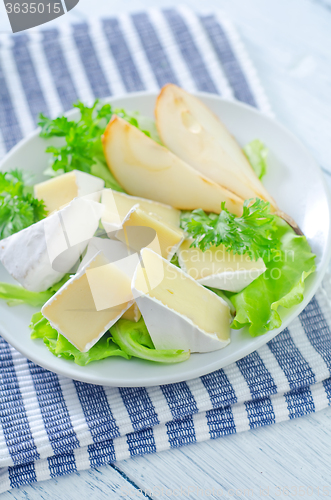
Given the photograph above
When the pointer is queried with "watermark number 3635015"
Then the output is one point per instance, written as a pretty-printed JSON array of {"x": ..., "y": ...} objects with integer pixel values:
[{"x": 26, "y": 14}]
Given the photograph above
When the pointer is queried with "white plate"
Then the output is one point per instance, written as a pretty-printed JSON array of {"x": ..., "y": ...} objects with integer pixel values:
[{"x": 295, "y": 181}]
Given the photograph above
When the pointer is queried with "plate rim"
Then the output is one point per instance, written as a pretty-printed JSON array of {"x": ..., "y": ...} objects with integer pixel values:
[{"x": 192, "y": 373}]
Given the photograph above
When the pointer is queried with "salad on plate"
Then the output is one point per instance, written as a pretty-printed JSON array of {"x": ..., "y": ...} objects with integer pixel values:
[{"x": 148, "y": 239}]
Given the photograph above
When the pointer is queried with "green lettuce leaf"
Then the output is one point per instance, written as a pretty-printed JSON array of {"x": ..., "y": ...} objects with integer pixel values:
[
  {"x": 16, "y": 295},
  {"x": 257, "y": 154},
  {"x": 134, "y": 339},
  {"x": 125, "y": 339},
  {"x": 282, "y": 284},
  {"x": 61, "y": 347}
]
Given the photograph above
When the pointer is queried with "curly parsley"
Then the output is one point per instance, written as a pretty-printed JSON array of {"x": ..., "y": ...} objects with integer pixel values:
[
  {"x": 18, "y": 208},
  {"x": 252, "y": 233}
]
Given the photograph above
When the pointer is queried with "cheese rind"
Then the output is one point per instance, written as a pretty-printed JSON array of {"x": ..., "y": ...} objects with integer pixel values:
[
  {"x": 40, "y": 255},
  {"x": 218, "y": 268},
  {"x": 118, "y": 205},
  {"x": 61, "y": 190},
  {"x": 179, "y": 312},
  {"x": 75, "y": 312},
  {"x": 169, "y": 237}
]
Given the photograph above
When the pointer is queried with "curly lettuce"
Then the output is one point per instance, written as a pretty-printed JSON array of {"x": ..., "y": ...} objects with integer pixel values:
[
  {"x": 125, "y": 339},
  {"x": 282, "y": 284},
  {"x": 61, "y": 347},
  {"x": 135, "y": 340},
  {"x": 15, "y": 295}
]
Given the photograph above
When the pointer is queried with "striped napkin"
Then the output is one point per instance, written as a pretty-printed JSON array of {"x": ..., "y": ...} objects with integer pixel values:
[{"x": 51, "y": 425}]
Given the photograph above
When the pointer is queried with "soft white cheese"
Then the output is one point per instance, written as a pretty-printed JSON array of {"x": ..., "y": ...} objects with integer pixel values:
[
  {"x": 125, "y": 258},
  {"x": 40, "y": 255},
  {"x": 61, "y": 190},
  {"x": 138, "y": 231},
  {"x": 90, "y": 303},
  {"x": 118, "y": 205},
  {"x": 218, "y": 268},
  {"x": 179, "y": 312},
  {"x": 114, "y": 251}
]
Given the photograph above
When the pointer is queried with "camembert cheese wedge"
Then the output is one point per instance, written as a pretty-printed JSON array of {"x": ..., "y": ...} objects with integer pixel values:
[
  {"x": 179, "y": 312},
  {"x": 117, "y": 252},
  {"x": 118, "y": 205},
  {"x": 40, "y": 255},
  {"x": 169, "y": 237},
  {"x": 218, "y": 268},
  {"x": 61, "y": 190},
  {"x": 90, "y": 302}
]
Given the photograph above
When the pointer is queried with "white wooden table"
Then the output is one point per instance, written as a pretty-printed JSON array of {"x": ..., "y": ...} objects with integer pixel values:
[{"x": 289, "y": 42}]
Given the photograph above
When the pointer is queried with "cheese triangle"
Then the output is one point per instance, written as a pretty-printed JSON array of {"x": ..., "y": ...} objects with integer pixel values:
[
  {"x": 169, "y": 237},
  {"x": 40, "y": 255},
  {"x": 118, "y": 205},
  {"x": 218, "y": 268},
  {"x": 90, "y": 303},
  {"x": 124, "y": 257},
  {"x": 179, "y": 312},
  {"x": 61, "y": 190}
]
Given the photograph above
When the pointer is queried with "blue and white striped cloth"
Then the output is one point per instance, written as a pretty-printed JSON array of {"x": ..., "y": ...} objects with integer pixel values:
[{"x": 50, "y": 425}]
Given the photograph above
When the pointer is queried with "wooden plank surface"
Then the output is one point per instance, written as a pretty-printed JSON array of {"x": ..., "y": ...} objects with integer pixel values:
[
  {"x": 287, "y": 460},
  {"x": 289, "y": 42}
]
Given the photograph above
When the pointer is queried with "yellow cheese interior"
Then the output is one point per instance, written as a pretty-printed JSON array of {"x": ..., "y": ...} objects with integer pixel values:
[
  {"x": 109, "y": 285},
  {"x": 132, "y": 314},
  {"x": 58, "y": 191},
  {"x": 124, "y": 203},
  {"x": 215, "y": 260},
  {"x": 74, "y": 309},
  {"x": 168, "y": 236},
  {"x": 183, "y": 295}
]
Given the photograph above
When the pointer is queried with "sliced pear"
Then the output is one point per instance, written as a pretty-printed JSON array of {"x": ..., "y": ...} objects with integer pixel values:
[
  {"x": 192, "y": 132},
  {"x": 146, "y": 169}
]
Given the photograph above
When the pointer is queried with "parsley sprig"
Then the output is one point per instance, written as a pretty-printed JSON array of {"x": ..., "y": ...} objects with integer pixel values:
[
  {"x": 82, "y": 145},
  {"x": 18, "y": 208},
  {"x": 250, "y": 234}
]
